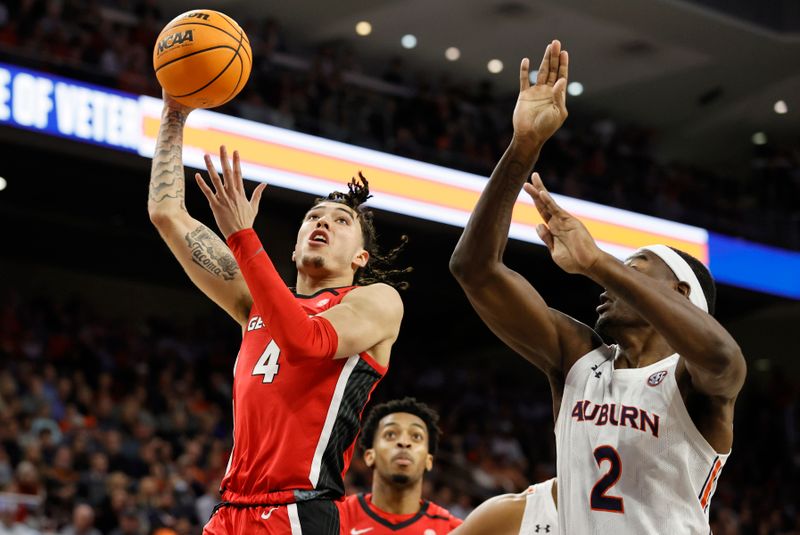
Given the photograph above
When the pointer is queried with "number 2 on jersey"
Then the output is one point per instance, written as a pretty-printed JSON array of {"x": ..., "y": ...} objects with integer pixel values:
[
  {"x": 267, "y": 364},
  {"x": 600, "y": 501}
]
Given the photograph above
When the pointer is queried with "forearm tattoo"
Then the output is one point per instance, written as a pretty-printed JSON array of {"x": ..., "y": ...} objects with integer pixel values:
[
  {"x": 210, "y": 253},
  {"x": 166, "y": 176}
]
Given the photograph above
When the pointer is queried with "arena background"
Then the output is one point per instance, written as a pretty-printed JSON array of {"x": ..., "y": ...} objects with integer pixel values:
[{"x": 115, "y": 371}]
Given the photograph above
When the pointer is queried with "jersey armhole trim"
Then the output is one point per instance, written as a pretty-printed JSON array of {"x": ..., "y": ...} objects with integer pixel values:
[{"x": 369, "y": 359}]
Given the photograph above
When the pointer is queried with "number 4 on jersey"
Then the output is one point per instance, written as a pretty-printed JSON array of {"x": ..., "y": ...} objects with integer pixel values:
[{"x": 267, "y": 364}]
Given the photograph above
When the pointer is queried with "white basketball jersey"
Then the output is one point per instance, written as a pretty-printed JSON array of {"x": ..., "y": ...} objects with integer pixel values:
[
  {"x": 540, "y": 510},
  {"x": 630, "y": 459}
]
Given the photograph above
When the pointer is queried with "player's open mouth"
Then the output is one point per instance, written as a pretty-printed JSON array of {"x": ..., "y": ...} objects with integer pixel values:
[{"x": 318, "y": 236}]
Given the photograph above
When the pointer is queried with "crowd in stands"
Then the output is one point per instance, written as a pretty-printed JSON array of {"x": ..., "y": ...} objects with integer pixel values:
[
  {"x": 325, "y": 91},
  {"x": 124, "y": 427}
]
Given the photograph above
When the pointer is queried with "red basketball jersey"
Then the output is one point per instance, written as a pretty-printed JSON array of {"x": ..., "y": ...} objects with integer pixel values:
[
  {"x": 357, "y": 515},
  {"x": 295, "y": 420}
]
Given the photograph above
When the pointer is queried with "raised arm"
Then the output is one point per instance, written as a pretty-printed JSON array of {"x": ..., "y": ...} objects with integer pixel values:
[
  {"x": 201, "y": 253},
  {"x": 506, "y": 302},
  {"x": 713, "y": 358}
]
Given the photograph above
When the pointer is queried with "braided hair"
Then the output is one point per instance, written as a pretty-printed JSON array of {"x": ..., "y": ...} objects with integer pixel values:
[{"x": 380, "y": 266}]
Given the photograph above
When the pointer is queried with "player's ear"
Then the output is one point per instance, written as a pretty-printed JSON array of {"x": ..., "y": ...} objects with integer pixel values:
[
  {"x": 683, "y": 288},
  {"x": 293, "y": 256},
  {"x": 429, "y": 463},
  {"x": 369, "y": 457},
  {"x": 361, "y": 258}
]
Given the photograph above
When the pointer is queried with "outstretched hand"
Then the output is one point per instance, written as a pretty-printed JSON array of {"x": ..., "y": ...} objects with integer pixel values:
[
  {"x": 572, "y": 247},
  {"x": 232, "y": 211},
  {"x": 541, "y": 108}
]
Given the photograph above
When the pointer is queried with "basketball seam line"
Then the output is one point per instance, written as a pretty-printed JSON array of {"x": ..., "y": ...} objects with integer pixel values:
[
  {"x": 241, "y": 68},
  {"x": 231, "y": 22},
  {"x": 241, "y": 71},
  {"x": 239, "y": 37},
  {"x": 170, "y": 62},
  {"x": 236, "y": 53}
]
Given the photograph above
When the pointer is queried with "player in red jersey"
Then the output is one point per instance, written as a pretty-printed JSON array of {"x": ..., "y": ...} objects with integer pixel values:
[
  {"x": 399, "y": 439},
  {"x": 309, "y": 360}
]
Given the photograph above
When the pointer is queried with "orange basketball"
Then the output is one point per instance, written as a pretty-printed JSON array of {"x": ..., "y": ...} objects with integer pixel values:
[{"x": 202, "y": 58}]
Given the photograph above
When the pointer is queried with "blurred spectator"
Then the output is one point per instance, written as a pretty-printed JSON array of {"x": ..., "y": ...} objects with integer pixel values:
[
  {"x": 82, "y": 522},
  {"x": 129, "y": 523},
  {"x": 9, "y": 525}
]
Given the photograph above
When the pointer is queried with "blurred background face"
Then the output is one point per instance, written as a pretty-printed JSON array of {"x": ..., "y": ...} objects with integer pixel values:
[
  {"x": 129, "y": 523},
  {"x": 399, "y": 453},
  {"x": 83, "y": 518},
  {"x": 329, "y": 240},
  {"x": 7, "y": 514}
]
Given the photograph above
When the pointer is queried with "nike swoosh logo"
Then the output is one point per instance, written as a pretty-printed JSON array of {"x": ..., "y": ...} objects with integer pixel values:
[
  {"x": 266, "y": 515},
  {"x": 355, "y": 531}
]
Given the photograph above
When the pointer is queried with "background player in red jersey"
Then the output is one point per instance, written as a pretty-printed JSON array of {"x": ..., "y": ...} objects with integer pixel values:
[
  {"x": 399, "y": 439},
  {"x": 309, "y": 360}
]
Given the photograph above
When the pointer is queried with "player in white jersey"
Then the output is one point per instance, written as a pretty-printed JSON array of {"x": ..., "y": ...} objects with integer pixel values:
[
  {"x": 527, "y": 513},
  {"x": 644, "y": 426}
]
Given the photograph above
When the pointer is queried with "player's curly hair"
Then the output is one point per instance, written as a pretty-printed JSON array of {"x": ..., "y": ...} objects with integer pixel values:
[
  {"x": 380, "y": 266},
  {"x": 409, "y": 405}
]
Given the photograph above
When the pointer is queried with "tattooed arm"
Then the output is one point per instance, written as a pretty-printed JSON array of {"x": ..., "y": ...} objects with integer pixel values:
[{"x": 203, "y": 255}]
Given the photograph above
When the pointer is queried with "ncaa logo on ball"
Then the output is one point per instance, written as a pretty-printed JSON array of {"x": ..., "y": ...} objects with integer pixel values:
[
  {"x": 178, "y": 38},
  {"x": 656, "y": 378}
]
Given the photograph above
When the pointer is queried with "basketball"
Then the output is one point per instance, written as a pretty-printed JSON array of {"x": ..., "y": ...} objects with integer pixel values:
[{"x": 202, "y": 58}]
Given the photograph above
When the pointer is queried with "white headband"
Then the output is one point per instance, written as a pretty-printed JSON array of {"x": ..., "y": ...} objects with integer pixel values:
[{"x": 683, "y": 271}]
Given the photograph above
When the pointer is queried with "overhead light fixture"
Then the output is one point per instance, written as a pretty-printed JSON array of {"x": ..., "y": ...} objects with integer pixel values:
[
  {"x": 363, "y": 28},
  {"x": 3, "y": 183},
  {"x": 575, "y": 88},
  {"x": 408, "y": 41},
  {"x": 759, "y": 138},
  {"x": 495, "y": 66},
  {"x": 780, "y": 107},
  {"x": 452, "y": 53}
]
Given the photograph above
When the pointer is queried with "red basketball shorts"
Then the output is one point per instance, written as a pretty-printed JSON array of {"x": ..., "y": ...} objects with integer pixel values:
[{"x": 315, "y": 517}]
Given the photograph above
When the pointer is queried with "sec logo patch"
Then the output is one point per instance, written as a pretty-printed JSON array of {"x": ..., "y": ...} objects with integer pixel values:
[{"x": 656, "y": 378}]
